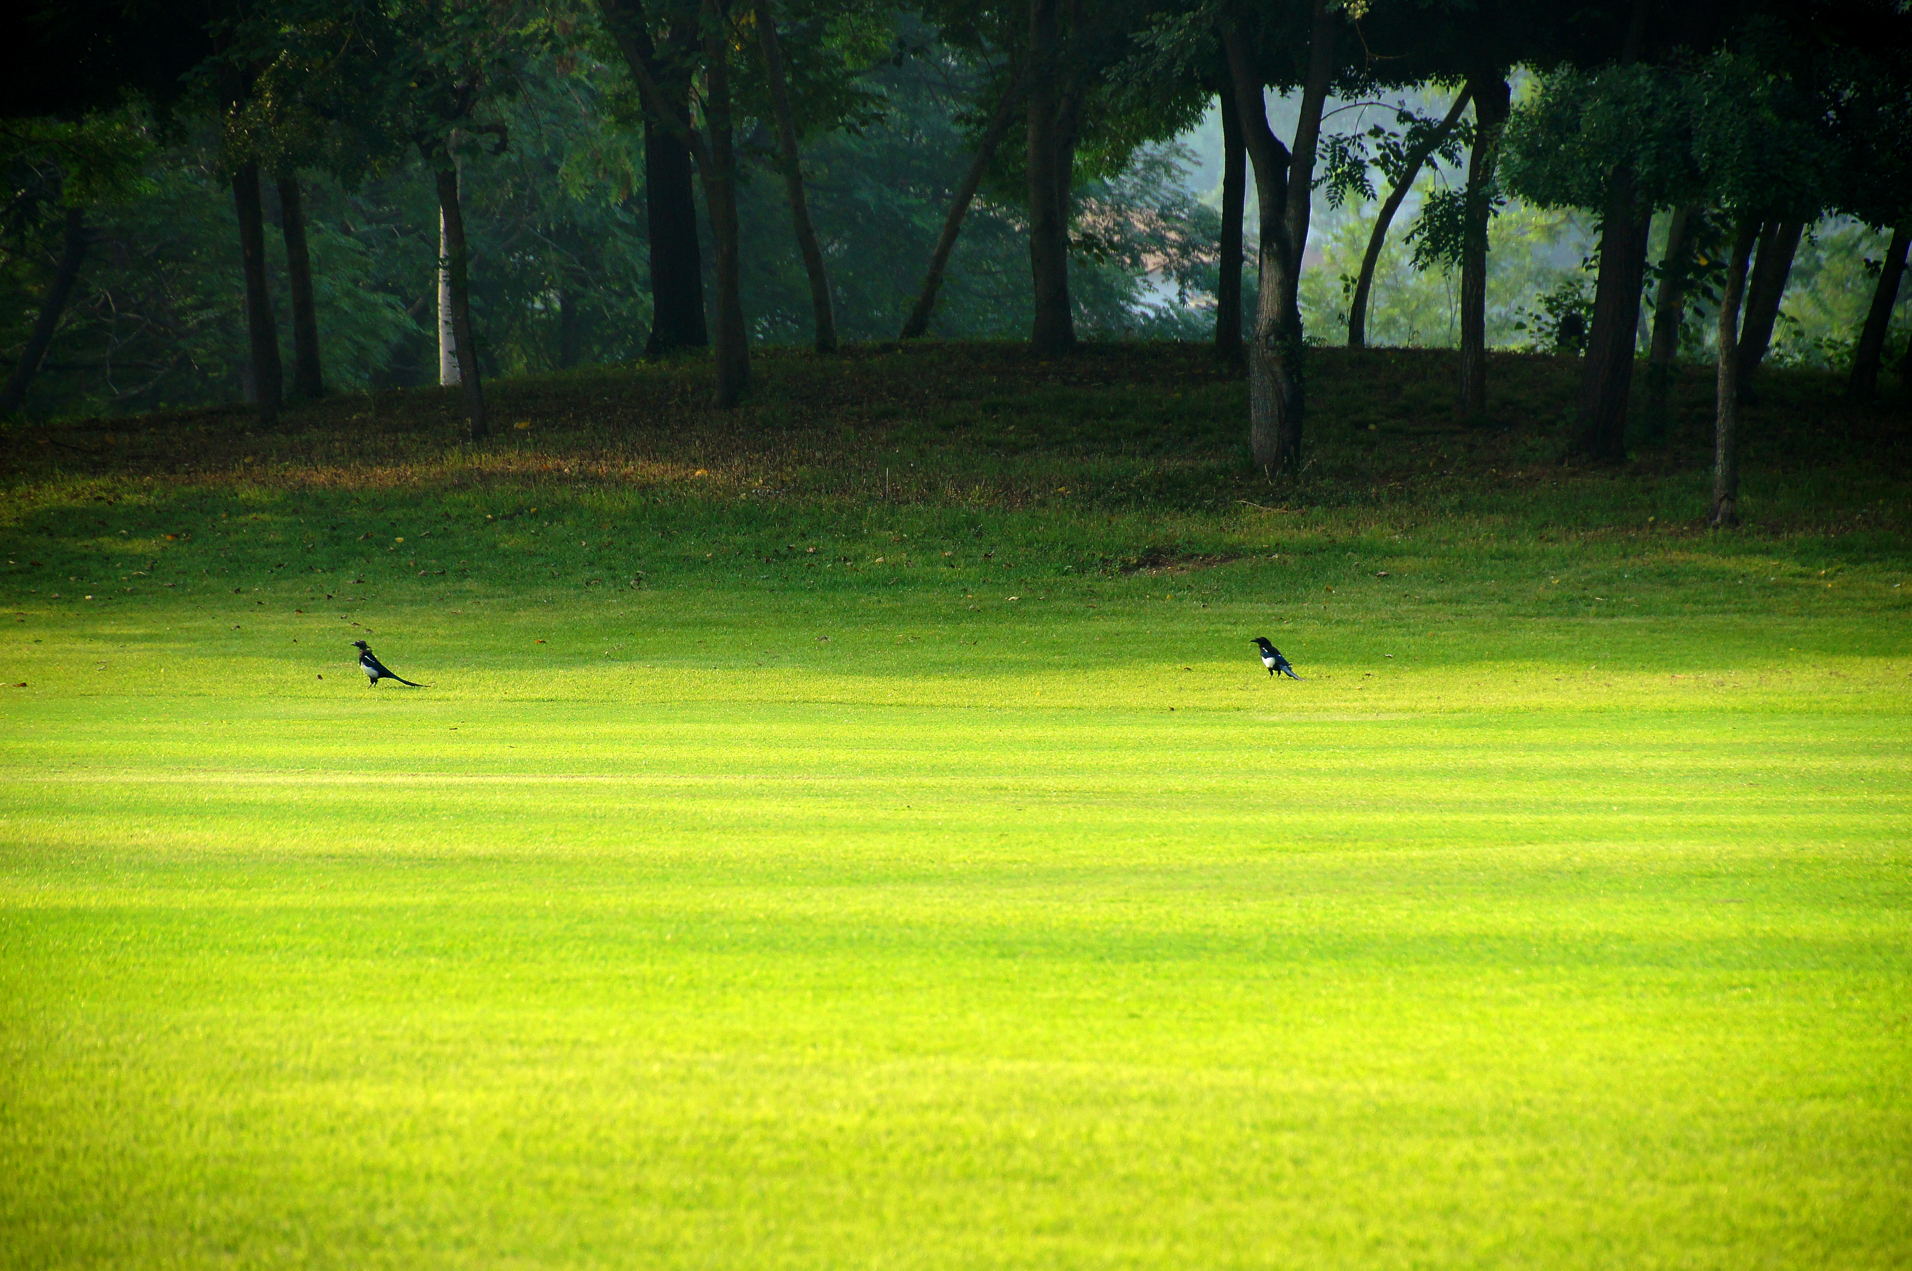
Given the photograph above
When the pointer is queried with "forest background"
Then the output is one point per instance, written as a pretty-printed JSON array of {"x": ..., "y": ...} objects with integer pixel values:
[{"x": 560, "y": 262}]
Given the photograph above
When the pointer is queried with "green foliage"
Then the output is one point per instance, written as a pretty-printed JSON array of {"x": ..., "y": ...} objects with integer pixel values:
[
  {"x": 1558, "y": 320},
  {"x": 1567, "y": 138},
  {"x": 1531, "y": 251},
  {"x": 559, "y": 257},
  {"x": 1439, "y": 233},
  {"x": 1344, "y": 159}
]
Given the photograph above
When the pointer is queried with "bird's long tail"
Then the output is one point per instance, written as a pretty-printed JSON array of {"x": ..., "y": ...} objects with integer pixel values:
[
  {"x": 1289, "y": 672},
  {"x": 402, "y": 680}
]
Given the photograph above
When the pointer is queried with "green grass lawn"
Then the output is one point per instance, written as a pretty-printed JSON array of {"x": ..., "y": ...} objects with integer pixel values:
[{"x": 729, "y": 903}]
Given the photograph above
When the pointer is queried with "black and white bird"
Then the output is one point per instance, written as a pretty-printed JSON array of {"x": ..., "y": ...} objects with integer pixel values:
[
  {"x": 1270, "y": 658},
  {"x": 376, "y": 670}
]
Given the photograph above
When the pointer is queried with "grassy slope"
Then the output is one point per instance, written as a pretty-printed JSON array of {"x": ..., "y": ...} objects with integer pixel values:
[{"x": 664, "y": 930}]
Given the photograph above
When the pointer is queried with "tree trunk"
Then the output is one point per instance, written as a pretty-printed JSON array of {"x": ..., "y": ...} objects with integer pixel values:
[
  {"x": 1228, "y": 345},
  {"x": 670, "y": 203},
  {"x": 677, "y": 262},
  {"x": 720, "y": 196},
  {"x": 918, "y": 322},
  {"x": 824, "y": 317},
  {"x": 458, "y": 278},
  {"x": 447, "y": 335},
  {"x": 1377, "y": 238},
  {"x": 262, "y": 332},
  {"x": 1301, "y": 156},
  {"x": 1726, "y": 395},
  {"x": 1864, "y": 384},
  {"x": 1491, "y": 102},
  {"x": 307, "y": 376},
  {"x": 1277, "y": 397},
  {"x": 1607, "y": 377},
  {"x": 1669, "y": 311},
  {"x": 1778, "y": 244},
  {"x": 73, "y": 247},
  {"x": 1054, "y": 329}
]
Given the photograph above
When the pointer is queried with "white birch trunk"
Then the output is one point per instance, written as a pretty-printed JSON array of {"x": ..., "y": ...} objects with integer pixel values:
[{"x": 447, "y": 341}]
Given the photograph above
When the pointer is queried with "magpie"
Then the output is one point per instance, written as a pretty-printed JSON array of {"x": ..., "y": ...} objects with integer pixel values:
[
  {"x": 375, "y": 669},
  {"x": 1270, "y": 658}
]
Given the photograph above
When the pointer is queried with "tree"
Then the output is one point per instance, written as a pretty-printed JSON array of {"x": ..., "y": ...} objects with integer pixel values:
[
  {"x": 677, "y": 276},
  {"x": 1050, "y": 163},
  {"x": 75, "y": 240},
  {"x": 999, "y": 123},
  {"x": 713, "y": 148},
  {"x": 454, "y": 63},
  {"x": 1228, "y": 341},
  {"x": 1726, "y": 383},
  {"x": 792, "y": 165},
  {"x": 1617, "y": 139},
  {"x": 1669, "y": 309},
  {"x": 1765, "y": 288},
  {"x": 1762, "y": 152},
  {"x": 1491, "y": 104},
  {"x": 1863, "y": 383},
  {"x": 1277, "y": 394},
  {"x": 58, "y": 168},
  {"x": 1870, "y": 83},
  {"x": 1401, "y": 158}
]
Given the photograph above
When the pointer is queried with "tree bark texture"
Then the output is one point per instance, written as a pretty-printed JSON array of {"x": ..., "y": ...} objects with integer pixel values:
[
  {"x": 1053, "y": 332},
  {"x": 1322, "y": 32},
  {"x": 458, "y": 276},
  {"x": 262, "y": 333},
  {"x": 74, "y": 241},
  {"x": 1607, "y": 376},
  {"x": 1277, "y": 395},
  {"x": 1669, "y": 312},
  {"x": 823, "y": 315},
  {"x": 1726, "y": 394},
  {"x": 1765, "y": 288},
  {"x": 670, "y": 204},
  {"x": 1377, "y": 238},
  {"x": 1492, "y": 100},
  {"x": 447, "y": 337},
  {"x": 720, "y": 196},
  {"x": 308, "y": 376},
  {"x": 1864, "y": 384},
  {"x": 1228, "y": 345},
  {"x": 917, "y": 323}
]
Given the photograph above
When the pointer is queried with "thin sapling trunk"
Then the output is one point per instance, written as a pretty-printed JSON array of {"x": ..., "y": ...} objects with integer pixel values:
[
  {"x": 1228, "y": 345},
  {"x": 262, "y": 333},
  {"x": 823, "y": 315},
  {"x": 1054, "y": 327},
  {"x": 307, "y": 375},
  {"x": 458, "y": 279},
  {"x": 74, "y": 241},
  {"x": 720, "y": 194},
  {"x": 917, "y": 323},
  {"x": 1669, "y": 313},
  {"x": 1377, "y": 238},
  {"x": 1765, "y": 288},
  {"x": 1491, "y": 103},
  {"x": 1864, "y": 383},
  {"x": 1726, "y": 392}
]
